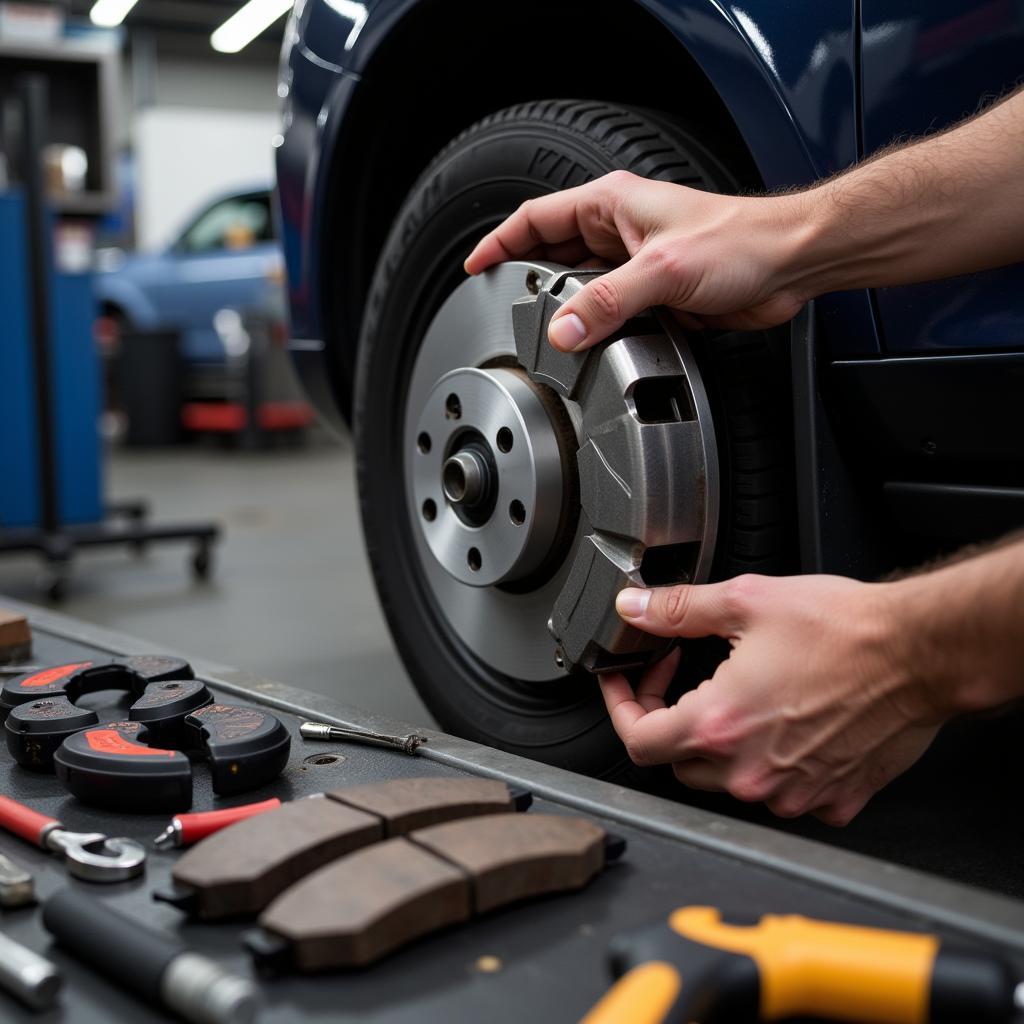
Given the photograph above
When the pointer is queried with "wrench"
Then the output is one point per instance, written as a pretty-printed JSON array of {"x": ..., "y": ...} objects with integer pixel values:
[
  {"x": 17, "y": 887},
  {"x": 90, "y": 856}
]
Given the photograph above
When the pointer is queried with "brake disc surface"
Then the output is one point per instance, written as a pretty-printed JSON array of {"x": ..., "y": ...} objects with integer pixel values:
[{"x": 539, "y": 483}]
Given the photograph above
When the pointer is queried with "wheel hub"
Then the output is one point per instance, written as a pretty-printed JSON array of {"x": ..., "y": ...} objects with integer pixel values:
[
  {"x": 487, "y": 475},
  {"x": 540, "y": 483}
]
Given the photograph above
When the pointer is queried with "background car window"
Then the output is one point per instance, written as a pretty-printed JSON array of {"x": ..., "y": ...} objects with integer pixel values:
[{"x": 232, "y": 224}]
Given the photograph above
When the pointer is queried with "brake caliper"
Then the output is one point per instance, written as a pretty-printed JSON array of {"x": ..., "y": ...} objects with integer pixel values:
[{"x": 647, "y": 463}]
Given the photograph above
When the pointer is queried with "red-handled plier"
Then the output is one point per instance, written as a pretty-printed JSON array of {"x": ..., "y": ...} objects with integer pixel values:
[{"x": 89, "y": 855}]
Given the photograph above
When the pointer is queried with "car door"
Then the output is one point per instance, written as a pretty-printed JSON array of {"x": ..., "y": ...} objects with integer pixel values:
[
  {"x": 227, "y": 258},
  {"x": 925, "y": 66}
]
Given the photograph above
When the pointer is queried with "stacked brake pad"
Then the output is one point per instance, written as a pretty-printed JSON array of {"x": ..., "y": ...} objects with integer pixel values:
[
  {"x": 138, "y": 764},
  {"x": 346, "y": 878}
]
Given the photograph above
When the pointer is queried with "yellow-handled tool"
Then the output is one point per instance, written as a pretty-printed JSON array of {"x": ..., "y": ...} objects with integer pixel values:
[{"x": 696, "y": 967}]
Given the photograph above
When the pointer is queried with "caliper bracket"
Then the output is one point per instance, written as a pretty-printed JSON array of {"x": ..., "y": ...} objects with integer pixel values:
[{"x": 647, "y": 465}]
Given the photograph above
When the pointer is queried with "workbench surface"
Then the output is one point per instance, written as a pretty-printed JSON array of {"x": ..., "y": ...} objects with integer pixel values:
[{"x": 551, "y": 952}]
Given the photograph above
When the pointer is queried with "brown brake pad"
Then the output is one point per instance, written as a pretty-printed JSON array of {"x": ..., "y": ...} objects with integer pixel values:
[
  {"x": 407, "y": 804},
  {"x": 240, "y": 869},
  {"x": 358, "y": 909}
]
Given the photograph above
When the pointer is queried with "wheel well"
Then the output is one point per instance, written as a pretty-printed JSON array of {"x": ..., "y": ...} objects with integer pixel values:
[
  {"x": 428, "y": 81},
  {"x": 116, "y": 311}
]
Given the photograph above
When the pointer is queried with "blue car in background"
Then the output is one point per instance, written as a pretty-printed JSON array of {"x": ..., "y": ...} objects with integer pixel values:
[
  {"x": 226, "y": 258},
  {"x": 881, "y": 428}
]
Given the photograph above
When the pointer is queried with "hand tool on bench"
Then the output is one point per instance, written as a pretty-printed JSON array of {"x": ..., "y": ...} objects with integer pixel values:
[
  {"x": 321, "y": 731},
  {"x": 366, "y": 905},
  {"x": 90, "y": 856},
  {"x": 114, "y": 765},
  {"x": 697, "y": 966},
  {"x": 155, "y": 966},
  {"x": 17, "y": 887},
  {"x": 28, "y": 976},
  {"x": 41, "y": 707},
  {"x": 240, "y": 869},
  {"x": 186, "y": 829}
]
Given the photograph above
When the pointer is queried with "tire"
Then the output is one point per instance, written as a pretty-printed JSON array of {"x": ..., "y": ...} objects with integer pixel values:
[{"x": 480, "y": 178}]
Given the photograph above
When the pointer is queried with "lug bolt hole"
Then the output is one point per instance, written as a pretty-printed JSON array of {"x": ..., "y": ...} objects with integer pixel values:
[
  {"x": 517, "y": 513},
  {"x": 504, "y": 440},
  {"x": 429, "y": 510},
  {"x": 423, "y": 442},
  {"x": 533, "y": 282},
  {"x": 452, "y": 407},
  {"x": 474, "y": 559}
]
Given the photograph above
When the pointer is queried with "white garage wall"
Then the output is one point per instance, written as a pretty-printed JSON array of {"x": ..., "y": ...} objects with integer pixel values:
[{"x": 186, "y": 156}]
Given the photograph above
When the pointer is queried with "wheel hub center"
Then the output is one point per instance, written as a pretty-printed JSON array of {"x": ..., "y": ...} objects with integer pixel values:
[
  {"x": 487, "y": 475},
  {"x": 464, "y": 478}
]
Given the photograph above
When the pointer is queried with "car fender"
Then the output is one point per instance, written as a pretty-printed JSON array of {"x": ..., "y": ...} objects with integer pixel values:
[
  {"x": 114, "y": 289},
  {"x": 771, "y": 65}
]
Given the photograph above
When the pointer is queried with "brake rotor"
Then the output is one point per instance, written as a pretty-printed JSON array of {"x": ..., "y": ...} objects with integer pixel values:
[{"x": 540, "y": 483}]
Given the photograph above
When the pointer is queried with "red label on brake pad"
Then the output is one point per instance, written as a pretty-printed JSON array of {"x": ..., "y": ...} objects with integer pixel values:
[
  {"x": 52, "y": 675},
  {"x": 109, "y": 741}
]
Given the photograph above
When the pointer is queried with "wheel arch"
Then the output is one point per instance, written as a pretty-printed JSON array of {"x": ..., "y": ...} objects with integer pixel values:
[{"x": 473, "y": 66}]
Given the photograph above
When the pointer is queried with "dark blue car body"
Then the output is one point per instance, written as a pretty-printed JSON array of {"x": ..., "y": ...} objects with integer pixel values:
[{"x": 373, "y": 89}]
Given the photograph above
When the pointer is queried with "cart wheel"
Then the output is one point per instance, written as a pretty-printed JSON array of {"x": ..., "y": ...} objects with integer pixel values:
[
  {"x": 201, "y": 562},
  {"x": 57, "y": 588}
]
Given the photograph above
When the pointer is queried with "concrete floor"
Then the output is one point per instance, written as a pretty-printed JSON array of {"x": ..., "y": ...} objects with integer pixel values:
[{"x": 291, "y": 595}]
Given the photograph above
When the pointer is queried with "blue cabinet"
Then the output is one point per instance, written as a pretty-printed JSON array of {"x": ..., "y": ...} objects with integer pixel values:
[{"x": 75, "y": 384}]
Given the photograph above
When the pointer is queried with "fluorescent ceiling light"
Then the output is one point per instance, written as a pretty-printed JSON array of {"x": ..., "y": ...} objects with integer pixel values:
[
  {"x": 109, "y": 13},
  {"x": 247, "y": 23}
]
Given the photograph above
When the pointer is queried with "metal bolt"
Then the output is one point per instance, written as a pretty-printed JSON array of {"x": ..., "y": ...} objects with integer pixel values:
[{"x": 559, "y": 657}]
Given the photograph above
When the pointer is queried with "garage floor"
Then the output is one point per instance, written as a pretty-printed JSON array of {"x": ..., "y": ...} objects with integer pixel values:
[{"x": 291, "y": 597}]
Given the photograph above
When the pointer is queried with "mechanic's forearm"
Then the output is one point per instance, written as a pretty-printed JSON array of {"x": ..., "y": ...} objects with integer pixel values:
[
  {"x": 948, "y": 205},
  {"x": 960, "y": 630}
]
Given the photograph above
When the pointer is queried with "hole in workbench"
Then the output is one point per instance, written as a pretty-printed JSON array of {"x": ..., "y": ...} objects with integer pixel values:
[{"x": 320, "y": 759}]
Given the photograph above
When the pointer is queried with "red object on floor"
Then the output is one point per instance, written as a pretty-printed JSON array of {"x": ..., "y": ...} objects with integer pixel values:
[{"x": 231, "y": 417}]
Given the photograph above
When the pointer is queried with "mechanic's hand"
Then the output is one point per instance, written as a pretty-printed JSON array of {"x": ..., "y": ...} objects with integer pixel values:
[
  {"x": 813, "y": 711},
  {"x": 719, "y": 261}
]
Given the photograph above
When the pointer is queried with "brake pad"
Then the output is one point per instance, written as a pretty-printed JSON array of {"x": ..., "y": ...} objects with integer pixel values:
[
  {"x": 240, "y": 869},
  {"x": 360, "y": 908},
  {"x": 118, "y": 765},
  {"x": 41, "y": 712}
]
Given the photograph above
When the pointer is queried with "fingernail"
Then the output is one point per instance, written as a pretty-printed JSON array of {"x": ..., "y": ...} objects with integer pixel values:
[
  {"x": 632, "y": 603},
  {"x": 566, "y": 332}
]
